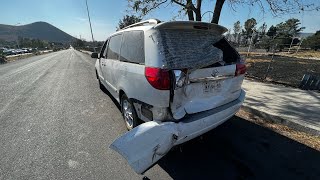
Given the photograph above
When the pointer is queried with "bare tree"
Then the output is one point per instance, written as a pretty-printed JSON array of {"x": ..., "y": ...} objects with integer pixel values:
[
  {"x": 145, "y": 6},
  {"x": 193, "y": 7}
]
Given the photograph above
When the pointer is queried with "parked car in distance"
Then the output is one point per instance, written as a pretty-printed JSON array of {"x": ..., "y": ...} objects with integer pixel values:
[
  {"x": 182, "y": 78},
  {"x": 9, "y": 52},
  {"x": 26, "y": 50}
]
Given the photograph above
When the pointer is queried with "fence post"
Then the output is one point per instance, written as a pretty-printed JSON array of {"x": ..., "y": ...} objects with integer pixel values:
[
  {"x": 269, "y": 65},
  {"x": 290, "y": 45},
  {"x": 299, "y": 45}
]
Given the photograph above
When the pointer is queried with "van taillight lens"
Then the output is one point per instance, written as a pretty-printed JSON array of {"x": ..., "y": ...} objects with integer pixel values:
[
  {"x": 158, "y": 78},
  {"x": 240, "y": 69}
]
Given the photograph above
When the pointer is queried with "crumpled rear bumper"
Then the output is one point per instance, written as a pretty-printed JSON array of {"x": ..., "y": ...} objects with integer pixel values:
[
  {"x": 200, "y": 123},
  {"x": 144, "y": 145}
]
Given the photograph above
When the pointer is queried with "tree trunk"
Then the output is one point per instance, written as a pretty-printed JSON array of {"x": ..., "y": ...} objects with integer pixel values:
[
  {"x": 198, "y": 10},
  {"x": 190, "y": 15},
  {"x": 189, "y": 10},
  {"x": 217, "y": 11},
  {"x": 198, "y": 15}
]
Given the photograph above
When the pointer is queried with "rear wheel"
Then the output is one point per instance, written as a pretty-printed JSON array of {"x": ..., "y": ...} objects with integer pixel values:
[
  {"x": 101, "y": 85},
  {"x": 128, "y": 112}
]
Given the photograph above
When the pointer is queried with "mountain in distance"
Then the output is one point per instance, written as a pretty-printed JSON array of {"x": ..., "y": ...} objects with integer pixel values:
[
  {"x": 36, "y": 30},
  {"x": 305, "y": 35}
]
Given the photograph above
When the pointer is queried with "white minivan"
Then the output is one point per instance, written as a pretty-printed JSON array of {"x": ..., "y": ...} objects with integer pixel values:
[{"x": 182, "y": 78}]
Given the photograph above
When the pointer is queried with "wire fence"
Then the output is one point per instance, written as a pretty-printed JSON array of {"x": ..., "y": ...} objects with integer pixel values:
[{"x": 287, "y": 64}]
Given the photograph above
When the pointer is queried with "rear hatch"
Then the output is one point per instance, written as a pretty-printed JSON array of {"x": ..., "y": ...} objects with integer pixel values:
[{"x": 207, "y": 71}]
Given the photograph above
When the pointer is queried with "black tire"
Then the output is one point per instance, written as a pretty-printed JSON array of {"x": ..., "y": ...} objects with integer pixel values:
[
  {"x": 125, "y": 113},
  {"x": 97, "y": 74},
  {"x": 101, "y": 86}
]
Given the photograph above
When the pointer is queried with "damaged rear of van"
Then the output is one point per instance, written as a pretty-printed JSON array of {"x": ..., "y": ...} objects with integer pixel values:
[{"x": 189, "y": 83}]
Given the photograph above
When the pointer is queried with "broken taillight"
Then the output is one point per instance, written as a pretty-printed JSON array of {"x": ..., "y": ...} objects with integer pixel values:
[
  {"x": 240, "y": 69},
  {"x": 158, "y": 78},
  {"x": 180, "y": 77}
]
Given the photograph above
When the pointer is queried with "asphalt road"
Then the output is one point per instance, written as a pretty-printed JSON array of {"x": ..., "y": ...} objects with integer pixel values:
[{"x": 55, "y": 123}]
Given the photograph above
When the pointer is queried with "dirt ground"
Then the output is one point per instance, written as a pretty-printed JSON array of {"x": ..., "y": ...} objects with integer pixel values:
[
  {"x": 283, "y": 70},
  {"x": 304, "y": 138}
]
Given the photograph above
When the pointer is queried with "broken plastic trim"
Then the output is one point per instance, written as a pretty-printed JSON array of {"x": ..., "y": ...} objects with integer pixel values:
[
  {"x": 129, "y": 145},
  {"x": 144, "y": 145}
]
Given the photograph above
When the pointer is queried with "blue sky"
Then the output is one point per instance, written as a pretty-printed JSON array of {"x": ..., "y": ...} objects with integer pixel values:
[{"x": 71, "y": 15}]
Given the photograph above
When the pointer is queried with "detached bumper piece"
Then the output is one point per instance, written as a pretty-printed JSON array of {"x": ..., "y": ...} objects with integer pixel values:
[{"x": 144, "y": 145}]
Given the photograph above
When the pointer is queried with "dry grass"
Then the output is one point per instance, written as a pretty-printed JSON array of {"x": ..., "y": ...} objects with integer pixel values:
[
  {"x": 14, "y": 58},
  {"x": 10, "y": 59},
  {"x": 307, "y": 54},
  {"x": 301, "y": 137},
  {"x": 284, "y": 70}
]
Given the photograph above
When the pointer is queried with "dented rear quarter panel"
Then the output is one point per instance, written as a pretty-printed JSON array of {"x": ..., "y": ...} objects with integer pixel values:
[{"x": 131, "y": 79}]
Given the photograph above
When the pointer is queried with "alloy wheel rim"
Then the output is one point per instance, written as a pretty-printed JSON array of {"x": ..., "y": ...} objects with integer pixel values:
[{"x": 127, "y": 113}]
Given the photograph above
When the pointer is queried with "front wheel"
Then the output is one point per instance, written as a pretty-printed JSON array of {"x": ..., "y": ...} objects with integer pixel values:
[{"x": 129, "y": 113}]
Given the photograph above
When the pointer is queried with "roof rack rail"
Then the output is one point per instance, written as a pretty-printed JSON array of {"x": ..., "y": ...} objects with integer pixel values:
[{"x": 149, "y": 21}]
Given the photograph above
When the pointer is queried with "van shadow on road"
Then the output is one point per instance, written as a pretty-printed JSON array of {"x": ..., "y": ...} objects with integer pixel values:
[{"x": 239, "y": 149}]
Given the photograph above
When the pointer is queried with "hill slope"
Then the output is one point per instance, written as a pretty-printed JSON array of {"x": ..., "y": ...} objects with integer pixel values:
[{"x": 37, "y": 30}]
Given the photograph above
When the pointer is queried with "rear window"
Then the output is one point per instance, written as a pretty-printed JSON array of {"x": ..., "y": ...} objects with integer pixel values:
[
  {"x": 132, "y": 47},
  {"x": 113, "y": 50},
  {"x": 185, "y": 48}
]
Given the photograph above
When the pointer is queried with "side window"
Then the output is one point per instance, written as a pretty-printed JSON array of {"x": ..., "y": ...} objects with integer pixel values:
[
  {"x": 113, "y": 49},
  {"x": 103, "y": 50},
  {"x": 132, "y": 47}
]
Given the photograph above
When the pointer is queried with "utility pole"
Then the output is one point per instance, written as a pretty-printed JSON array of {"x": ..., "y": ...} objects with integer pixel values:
[{"x": 94, "y": 49}]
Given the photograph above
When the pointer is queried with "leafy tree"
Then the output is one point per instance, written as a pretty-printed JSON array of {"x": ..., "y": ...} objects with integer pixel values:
[
  {"x": 249, "y": 27},
  {"x": 262, "y": 30},
  {"x": 290, "y": 27},
  {"x": 236, "y": 30},
  {"x": 193, "y": 7},
  {"x": 272, "y": 31},
  {"x": 128, "y": 20},
  {"x": 313, "y": 41},
  {"x": 79, "y": 43},
  {"x": 282, "y": 33}
]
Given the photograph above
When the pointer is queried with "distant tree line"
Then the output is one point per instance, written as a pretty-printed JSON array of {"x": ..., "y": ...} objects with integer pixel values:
[
  {"x": 279, "y": 36},
  {"x": 23, "y": 42},
  {"x": 312, "y": 42},
  {"x": 88, "y": 46}
]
